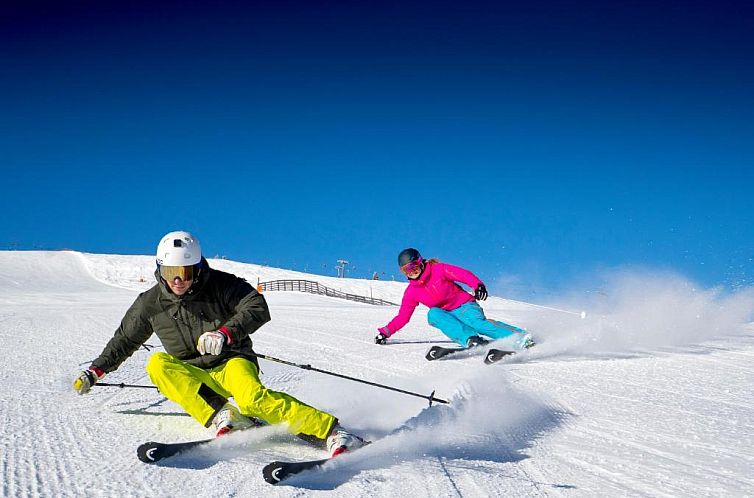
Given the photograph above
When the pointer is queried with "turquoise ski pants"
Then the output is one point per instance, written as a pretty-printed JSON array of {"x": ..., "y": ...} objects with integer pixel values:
[{"x": 468, "y": 320}]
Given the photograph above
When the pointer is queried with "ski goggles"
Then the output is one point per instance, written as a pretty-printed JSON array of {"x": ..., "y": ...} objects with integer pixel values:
[
  {"x": 412, "y": 266},
  {"x": 185, "y": 273}
]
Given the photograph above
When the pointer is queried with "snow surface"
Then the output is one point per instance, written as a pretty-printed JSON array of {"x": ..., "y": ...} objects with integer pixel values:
[{"x": 650, "y": 395}]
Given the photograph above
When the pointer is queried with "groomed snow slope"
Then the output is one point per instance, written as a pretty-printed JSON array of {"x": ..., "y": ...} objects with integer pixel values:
[{"x": 651, "y": 396}]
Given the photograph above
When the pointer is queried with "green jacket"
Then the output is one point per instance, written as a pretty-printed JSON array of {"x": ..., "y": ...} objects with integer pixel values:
[{"x": 217, "y": 299}]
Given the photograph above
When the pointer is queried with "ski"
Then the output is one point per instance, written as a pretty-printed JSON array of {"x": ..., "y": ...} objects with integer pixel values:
[
  {"x": 277, "y": 471},
  {"x": 495, "y": 355},
  {"x": 437, "y": 352},
  {"x": 152, "y": 452},
  {"x": 492, "y": 356}
]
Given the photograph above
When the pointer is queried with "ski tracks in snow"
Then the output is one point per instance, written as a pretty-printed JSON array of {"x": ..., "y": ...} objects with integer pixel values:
[{"x": 639, "y": 428}]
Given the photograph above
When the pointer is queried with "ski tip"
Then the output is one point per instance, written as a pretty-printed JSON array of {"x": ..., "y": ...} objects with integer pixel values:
[
  {"x": 148, "y": 452},
  {"x": 437, "y": 352},
  {"x": 495, "y": 355},
  {"x": 434, "y": 353},
  {"x": 271, "y": 472},
  {"x": 277, "y": 472}
]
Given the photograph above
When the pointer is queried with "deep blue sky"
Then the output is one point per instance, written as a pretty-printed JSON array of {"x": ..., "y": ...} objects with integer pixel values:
[{"x": 541, "y": 139}]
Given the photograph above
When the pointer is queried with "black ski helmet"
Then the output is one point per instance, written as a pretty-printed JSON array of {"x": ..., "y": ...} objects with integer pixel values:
[{"x": 408, "y": 255}]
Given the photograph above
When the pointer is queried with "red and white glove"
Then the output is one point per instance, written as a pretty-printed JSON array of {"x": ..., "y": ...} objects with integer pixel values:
[
  {"x": 213, "y": 342},
  {"x": 87, "y": 379}
]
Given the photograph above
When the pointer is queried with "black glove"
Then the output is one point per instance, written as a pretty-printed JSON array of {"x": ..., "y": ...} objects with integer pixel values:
[
  {"x": 381, "y": 337},
  {"x": 481, "y": 292}
]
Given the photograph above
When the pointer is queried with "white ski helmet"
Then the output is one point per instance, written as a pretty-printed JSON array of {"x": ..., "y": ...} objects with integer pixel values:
[{"x": 179, "y": 249}]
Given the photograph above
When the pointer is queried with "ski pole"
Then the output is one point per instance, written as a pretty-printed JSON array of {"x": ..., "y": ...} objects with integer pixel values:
[
  {"x": 430, "y": 398},
  {"x": 122, "y": 385},
  {"x": 582, "y": 314}
]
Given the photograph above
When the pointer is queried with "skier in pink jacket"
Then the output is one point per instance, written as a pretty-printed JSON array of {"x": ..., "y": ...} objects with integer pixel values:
[{"x": 451, "y": 309}]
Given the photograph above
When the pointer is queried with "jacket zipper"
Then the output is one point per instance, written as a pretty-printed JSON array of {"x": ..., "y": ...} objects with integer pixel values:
[{"x": 181, "y": 324}]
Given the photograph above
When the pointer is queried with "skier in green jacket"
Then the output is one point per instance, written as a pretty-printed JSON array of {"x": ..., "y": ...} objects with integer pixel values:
[{"x": 204, "y": 317}]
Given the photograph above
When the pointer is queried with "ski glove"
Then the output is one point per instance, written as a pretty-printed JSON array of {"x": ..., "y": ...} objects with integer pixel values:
[
  {"x": 480, "y": 294},
  {"x": 211, "y": 342},
  {"x": 87, "y": 379},
  {"x": 381, "y": 337}
]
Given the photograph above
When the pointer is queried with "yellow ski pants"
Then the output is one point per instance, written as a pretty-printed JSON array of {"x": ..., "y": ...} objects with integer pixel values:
[{"x": 238, "y": 378}]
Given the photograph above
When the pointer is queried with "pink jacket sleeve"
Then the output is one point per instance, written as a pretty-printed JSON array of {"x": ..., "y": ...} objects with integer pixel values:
[
  {"x": 408, "y": 305},
  {"x": 458, "y": 274}
]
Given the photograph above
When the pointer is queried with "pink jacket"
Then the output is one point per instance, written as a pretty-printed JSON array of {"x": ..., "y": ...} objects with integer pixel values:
[{"x": 436, "y": 288}]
